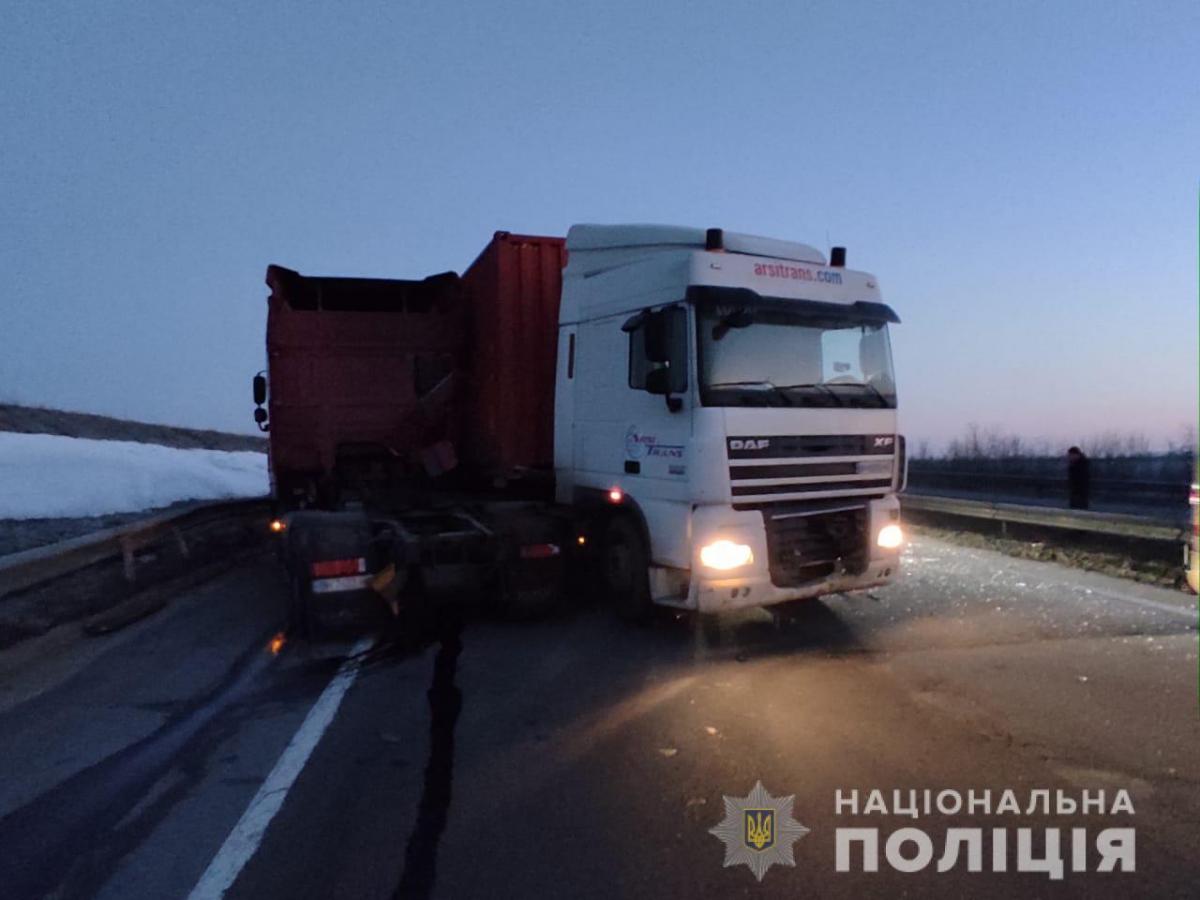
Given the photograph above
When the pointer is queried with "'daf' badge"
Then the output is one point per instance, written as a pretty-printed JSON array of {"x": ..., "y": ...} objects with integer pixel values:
[{"x": 758, "y": 830}]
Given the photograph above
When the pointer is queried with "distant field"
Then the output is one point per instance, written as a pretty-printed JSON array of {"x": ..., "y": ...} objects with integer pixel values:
[{"x": 37, "y": 420}]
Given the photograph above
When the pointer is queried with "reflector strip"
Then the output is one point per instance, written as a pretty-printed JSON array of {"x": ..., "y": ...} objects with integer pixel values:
[
  {"x": 539, "y": 551},
  {"x": 332, "y": 567}
]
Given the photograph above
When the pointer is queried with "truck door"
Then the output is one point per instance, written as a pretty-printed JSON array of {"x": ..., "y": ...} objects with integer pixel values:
[{"x": 633, "y": 418}]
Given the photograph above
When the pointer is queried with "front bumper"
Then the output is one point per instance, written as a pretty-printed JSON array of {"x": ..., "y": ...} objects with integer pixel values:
[{"x": 752, "y": 584}]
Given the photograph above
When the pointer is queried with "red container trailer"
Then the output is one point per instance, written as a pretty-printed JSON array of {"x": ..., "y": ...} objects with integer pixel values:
[{"x": 512, "y": 291}]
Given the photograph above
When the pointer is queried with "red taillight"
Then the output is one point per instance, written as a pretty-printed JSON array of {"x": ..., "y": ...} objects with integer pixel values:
[
  {"x": 539, "y": 551},
  {"x": 332, "y": 568}
]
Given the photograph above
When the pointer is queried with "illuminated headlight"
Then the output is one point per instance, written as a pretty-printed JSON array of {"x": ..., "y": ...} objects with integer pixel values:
[
  {"x": 890, "y": 537},
  {"x": 726, "y": 555}
]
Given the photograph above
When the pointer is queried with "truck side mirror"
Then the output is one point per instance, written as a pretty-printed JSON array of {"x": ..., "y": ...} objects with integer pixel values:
[
  {"x": 657, "y": 349},
  {"x": 260, "y": 390},
  {"x": 658, "y": 381},
  {"x": 260, "y": 418},
  {"x": 657, "y": 364},
  {"x": 634, "y": 322}
]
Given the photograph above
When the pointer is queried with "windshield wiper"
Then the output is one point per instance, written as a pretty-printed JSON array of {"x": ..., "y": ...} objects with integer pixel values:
[
  {"x": 767, "y": 385},
  {"x": 821, "y": 387},
  {"x": 725, "y": 384},
  {"x": 866, "y": 385}
]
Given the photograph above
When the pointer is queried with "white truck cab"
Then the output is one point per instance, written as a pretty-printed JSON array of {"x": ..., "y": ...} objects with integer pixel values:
[{"x": 736, "y": 394}]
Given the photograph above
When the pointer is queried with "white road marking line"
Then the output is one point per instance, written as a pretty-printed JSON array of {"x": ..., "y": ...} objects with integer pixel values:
[{"x": 247, "y": 834}]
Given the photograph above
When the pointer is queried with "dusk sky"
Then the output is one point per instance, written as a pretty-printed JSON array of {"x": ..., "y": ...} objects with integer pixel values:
[{"x": 1022, "y": 177}]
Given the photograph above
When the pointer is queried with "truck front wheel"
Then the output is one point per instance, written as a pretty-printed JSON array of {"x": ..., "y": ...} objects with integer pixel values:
[{"x": 626, "y": 568}]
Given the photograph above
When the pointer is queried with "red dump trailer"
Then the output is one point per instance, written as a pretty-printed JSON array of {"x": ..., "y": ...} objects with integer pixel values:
[
  {"x": 354, "y": 367},
  {"x": 412, "y": 420},
  {"x": 376, "y": 379}
]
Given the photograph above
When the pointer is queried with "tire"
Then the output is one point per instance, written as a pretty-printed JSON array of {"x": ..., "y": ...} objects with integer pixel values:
[
  {"x": 532, "y": 589},
  {"x": 626, "y": 570}
]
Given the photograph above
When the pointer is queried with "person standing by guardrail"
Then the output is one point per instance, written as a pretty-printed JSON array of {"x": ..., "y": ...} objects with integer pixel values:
[{"x": 1079, "y": 479}]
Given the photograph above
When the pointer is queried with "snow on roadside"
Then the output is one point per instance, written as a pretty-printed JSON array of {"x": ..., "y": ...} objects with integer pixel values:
[{"x": 51, "y": 476}]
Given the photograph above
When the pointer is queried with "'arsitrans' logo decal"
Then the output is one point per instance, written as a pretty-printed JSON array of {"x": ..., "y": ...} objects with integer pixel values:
[{"x": 796, "y": 273}]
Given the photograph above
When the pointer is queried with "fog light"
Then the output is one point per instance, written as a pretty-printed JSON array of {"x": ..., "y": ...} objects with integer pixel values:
[
  {"x": 278, "y": 525},
  {"x": 890, "y": 537},
  {"x": 726, "y": 555}
]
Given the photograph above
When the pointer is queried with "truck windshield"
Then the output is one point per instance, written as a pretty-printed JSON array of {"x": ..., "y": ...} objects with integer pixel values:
[{"x": 769, "y": 355}]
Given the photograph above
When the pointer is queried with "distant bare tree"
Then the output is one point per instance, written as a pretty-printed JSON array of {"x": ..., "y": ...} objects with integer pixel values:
[
  {"x": 1137, "y": 444},
  {"x": 1185, "y": 444},
  {"x": 998, "y": 444},
  {"x": 973, "y": 445},
  {"x": 1112, "y": 444}
]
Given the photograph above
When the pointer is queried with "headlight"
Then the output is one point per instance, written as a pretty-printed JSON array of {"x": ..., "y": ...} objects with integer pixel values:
[
  {"x": 890, "y": 537},
  {"x": 726, "y": 555}
]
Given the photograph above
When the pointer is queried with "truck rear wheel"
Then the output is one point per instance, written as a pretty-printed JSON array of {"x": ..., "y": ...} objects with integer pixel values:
[
  {"x": 532, "y": 586},
  {"x": 626, "y": 568}
]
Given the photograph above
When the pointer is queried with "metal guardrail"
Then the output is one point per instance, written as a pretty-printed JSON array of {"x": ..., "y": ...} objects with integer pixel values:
[
  {"x": 1113, "y": 524},
  {"x": 1141, "y": 492},
  {"x": 30, "y": 568}
]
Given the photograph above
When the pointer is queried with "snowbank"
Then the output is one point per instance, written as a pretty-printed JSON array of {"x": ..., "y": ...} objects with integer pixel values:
[{"x": 51, "y": 476}]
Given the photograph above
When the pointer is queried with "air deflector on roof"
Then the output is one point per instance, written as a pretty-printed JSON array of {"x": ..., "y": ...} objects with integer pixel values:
[{"x": 860, "y": 309}]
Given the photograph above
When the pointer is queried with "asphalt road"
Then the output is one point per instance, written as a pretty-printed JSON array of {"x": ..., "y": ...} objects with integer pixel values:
[{"x": 582, "y": 758}]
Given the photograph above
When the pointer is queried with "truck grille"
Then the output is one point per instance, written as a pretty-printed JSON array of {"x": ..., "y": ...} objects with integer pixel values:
[
  {"x": 805, "y": 544},
  {"x": 767, "y": 471}
]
